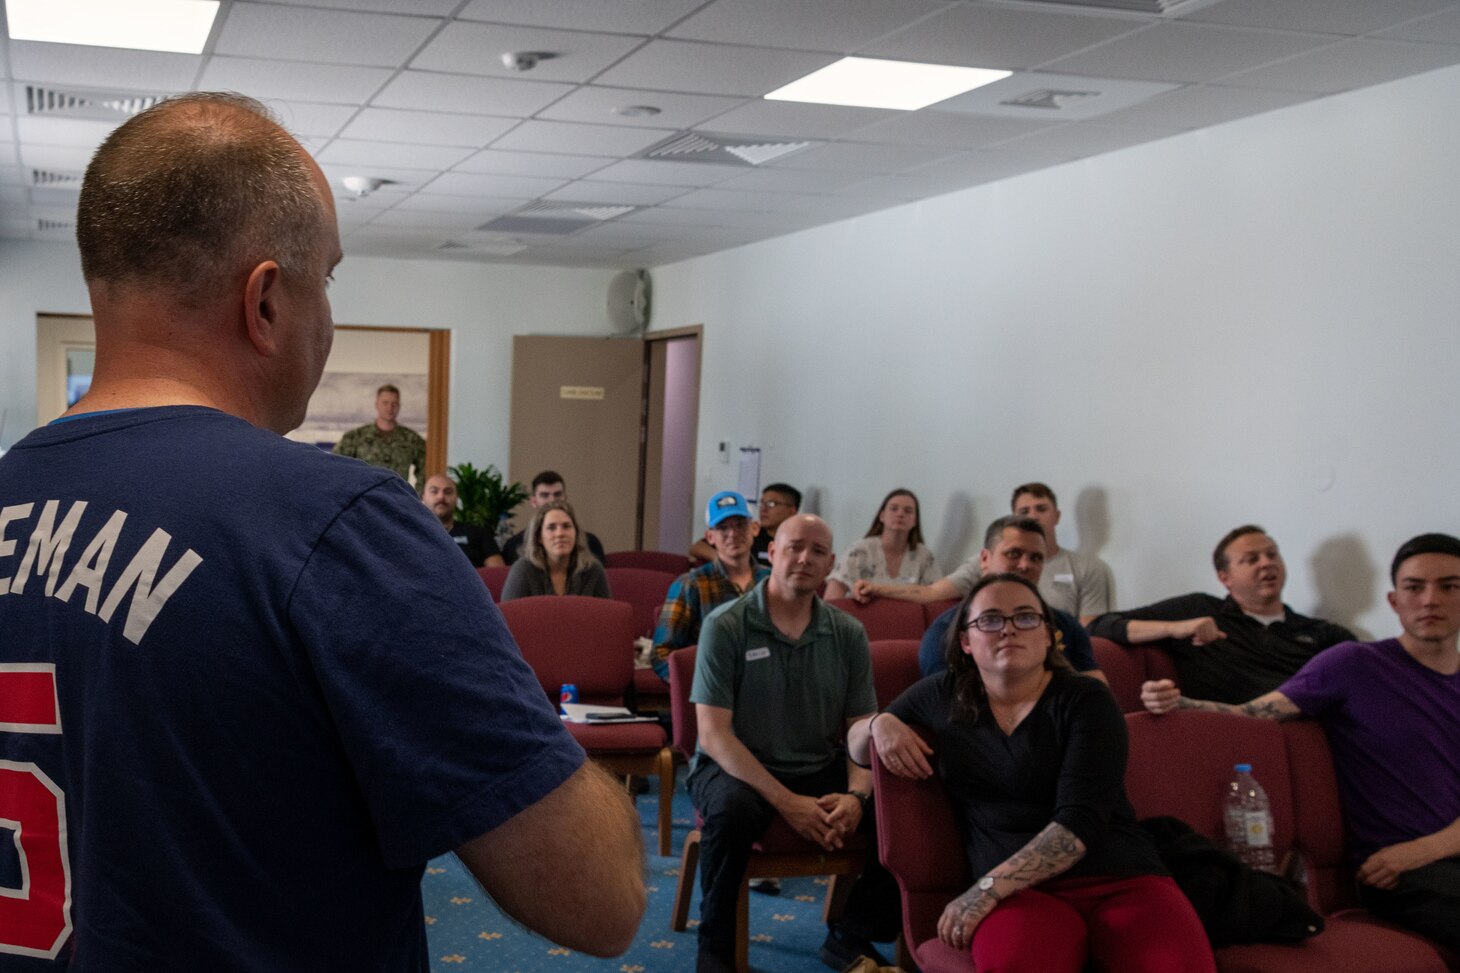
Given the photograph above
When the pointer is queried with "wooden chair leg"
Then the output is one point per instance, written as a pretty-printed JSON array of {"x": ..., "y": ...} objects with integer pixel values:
[
  {"x": 903, "y": 958},
  {"x": 742, "y": 927},
  {"x": 689, "y": 860},
  {"x": 837, "y": 892},
  {"x": 665, "y": 770}
]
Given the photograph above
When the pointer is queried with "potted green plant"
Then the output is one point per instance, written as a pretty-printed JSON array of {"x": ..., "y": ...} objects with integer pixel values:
[{"x": 486, "y": 498}]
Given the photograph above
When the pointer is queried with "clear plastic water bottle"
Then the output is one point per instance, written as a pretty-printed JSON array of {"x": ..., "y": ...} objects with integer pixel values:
[{"x": 1249, "y": 820}]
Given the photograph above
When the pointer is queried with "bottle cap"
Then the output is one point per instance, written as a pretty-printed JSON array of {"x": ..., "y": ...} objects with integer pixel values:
[{"x": 1243, "y": 768}]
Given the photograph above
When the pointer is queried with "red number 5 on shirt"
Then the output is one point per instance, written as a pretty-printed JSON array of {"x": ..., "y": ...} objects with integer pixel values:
[{"x": 35, "y": 919}]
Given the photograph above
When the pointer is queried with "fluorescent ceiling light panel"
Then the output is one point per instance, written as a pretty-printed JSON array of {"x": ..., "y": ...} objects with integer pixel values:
[
  {"x": 177, "y": 26},
  {"x": 865, "y": 82}
]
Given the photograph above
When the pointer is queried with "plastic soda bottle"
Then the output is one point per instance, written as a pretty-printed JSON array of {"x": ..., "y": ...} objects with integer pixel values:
[{"x": 1249, "y": 820}]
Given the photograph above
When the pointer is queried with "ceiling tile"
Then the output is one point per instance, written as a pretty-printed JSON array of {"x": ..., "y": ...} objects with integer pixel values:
[
  {"x": 861, "y": 157},
  {"x": 1352, "y": 64},
  {"x": 1101, "y": 95},
  {"x": 430, "y": 128},
  {"x": 13, "y": 176},
  {"x": 532, "y": 164},
  {"x": 737, "y": 218},
  {"x": 471, "y": 48},
  {"x": 588, "y": 191},
  {"x": 1188, "y": 52},
  {"x": 620, "y": 16},
  {"x": 483, "y": 184},
  {"x": 1443, "y": 28},
  {"x": 947, "y": 129},
  {"x": 795, "y": 119},
  {"x": 73, "y": 132},
  {"x": 310, "y": 118},
  {"x": 984, "y": 37},
  {"x": 402, "y": 180},
  {"x": 676, "y": 111},
  {"x": 309, "y": 34},
  {"x": 575, "y": 139},
  {"x": 433, "y": 202},
  {"x": 712, "y": 69},
  {"x": 76, "y": 66},
  {"x": 475, "y": 96},
  {"x": 4, "y": 94},
  {"x": 434, "y": 8},
  {"x": 810, "y": 25},
  {"x": 9, "y": 154},
  {"x": 1327, "y": 16},
  {"x": 657, "y": 172},
  {"x": 392, "y": 154},
  {"x": 718, "y": 199},
  {"x": 293, "y": 80},
  {"x": 440, "y": 219},
  {"x": 1075, "y": 141},
  {"x": 1203, "y": 105},
  {"x": 54, "y": 158},
  {"x": 792, "y": 181}
]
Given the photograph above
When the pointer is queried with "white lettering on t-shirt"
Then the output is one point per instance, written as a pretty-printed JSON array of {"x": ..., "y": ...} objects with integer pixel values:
[
  {"x": 9, "y": 515},
  {"x": 761, "y": 653},
  {"x": 147, "y": 598},
  {"x": 47, "y": 548},
  {"x": 48, "y": 545}
]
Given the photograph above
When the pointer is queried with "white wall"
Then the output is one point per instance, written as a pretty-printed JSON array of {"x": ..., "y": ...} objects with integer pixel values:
[
  {"x": 483, "y": 305},
  {"x": 1256, "y": 322}
]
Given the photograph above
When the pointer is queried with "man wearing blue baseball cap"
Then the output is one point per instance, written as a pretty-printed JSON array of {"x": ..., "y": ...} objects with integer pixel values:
[{"x": 730, "y": 530}]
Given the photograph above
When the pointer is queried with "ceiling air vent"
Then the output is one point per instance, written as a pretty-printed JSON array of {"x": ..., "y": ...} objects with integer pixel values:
[
  {"x": 490, "y": 249},
  {"x": 46, "y": 179},
  {"x": 106, "y": 106},
  {"x": 54, "y": 226},
  {"x": 725, "y": 150},
  {"x": 556, "y": 219},
  {"x": 1049, "y": 98}
]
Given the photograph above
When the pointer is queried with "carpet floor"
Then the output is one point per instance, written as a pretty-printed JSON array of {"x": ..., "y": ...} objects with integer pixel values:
[{"x": 466, "y": 932}]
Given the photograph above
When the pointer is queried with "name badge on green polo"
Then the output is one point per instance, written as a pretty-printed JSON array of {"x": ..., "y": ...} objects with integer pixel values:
[{"x": 761, "y": 653}]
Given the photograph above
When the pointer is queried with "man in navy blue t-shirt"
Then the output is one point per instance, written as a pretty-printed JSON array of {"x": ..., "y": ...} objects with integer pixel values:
[{"x": 247, "y": 689}]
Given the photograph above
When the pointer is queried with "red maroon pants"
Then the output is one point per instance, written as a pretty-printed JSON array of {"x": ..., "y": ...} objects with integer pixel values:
[{"x": 1127, "y": 925}]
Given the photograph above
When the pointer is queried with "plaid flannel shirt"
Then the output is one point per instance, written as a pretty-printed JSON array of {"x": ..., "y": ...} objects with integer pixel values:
[{"x": 693, "y": 596}]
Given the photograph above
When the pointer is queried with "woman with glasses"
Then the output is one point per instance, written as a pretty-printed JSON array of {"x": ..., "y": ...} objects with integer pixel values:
[
  {"x": 1033, "y": 758},
  {"x": 555, "y": 558},
  {"x": 893, "y": 551}
]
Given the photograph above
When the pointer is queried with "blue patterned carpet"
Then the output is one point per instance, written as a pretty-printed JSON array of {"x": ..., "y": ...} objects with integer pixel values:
[{"x": 467, "y": 933}]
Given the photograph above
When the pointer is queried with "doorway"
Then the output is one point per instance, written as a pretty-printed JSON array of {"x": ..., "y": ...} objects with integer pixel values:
[{"x": 618, "y": 419}]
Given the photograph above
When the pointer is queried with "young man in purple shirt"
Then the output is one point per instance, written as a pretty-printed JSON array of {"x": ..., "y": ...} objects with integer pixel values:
[{"x": 1391, "y": 711}]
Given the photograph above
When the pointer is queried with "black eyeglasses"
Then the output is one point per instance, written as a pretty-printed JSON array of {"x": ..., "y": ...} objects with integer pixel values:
[{"x": 994, "y": 622}]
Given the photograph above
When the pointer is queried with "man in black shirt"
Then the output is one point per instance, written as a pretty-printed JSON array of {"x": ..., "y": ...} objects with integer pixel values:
[
  {"x": 547, "y": 486},
  {"x": 475, "y": 542},
  {"x": 1236, "y": 648}
]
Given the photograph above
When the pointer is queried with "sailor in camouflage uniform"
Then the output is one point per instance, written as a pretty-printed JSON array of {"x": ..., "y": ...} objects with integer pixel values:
[{"x": 384, "y": 443}]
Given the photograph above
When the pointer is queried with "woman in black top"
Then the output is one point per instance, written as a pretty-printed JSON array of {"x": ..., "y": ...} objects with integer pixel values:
[{"x": 1033, "y": 757}]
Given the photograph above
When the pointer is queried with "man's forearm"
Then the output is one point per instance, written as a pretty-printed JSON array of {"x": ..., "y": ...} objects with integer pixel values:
[
  {"x": 589, "y": 821},
  {"x": 1141, "y": 631},
  {"x": 1263, "y": 707},
  {"x": 736, "y": 760},
  {"x": 940, "y": 590}
]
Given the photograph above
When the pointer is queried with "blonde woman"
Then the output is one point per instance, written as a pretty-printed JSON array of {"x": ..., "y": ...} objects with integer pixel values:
[{"x": 555, "y": 558}]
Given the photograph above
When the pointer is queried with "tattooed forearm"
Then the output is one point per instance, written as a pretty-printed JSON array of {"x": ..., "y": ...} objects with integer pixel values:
[
  {"x": 1273, "y": 706},
  {"x": 1047, "y": 854}
]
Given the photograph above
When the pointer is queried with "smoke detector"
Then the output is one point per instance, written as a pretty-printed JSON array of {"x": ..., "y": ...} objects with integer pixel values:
[{"x": 362, "y": 186}]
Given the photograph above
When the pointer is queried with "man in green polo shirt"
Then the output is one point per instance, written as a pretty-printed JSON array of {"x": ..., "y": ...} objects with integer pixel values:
[{"x": 779, "y": 676}]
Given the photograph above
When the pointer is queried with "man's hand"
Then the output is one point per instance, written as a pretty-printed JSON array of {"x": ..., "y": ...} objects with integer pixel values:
[
  {"x": 810, "y": 820},
  {"x": 1201, "y": 631},
  {"x": 1160, "y": 695},
  {"x": 864, "y": 591},
  {"x": 843, "y": 814},
  {"x": 1383, "y": 868},
  {"x": 902, "y": 751}
]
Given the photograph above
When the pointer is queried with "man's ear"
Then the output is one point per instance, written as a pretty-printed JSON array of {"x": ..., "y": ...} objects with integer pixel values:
[
  {"x": 983, "y": 561},
  {"x": 263, "y": 308},
  {"x": 1391, "y": 596},
  {"x": 1224, "y": 577},
  {"x": 754, "y": 529},
  {"x": 708, "y": 535}
]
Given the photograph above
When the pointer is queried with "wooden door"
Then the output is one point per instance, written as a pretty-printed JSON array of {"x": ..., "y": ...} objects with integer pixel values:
[{"x": 577, "y": 408}]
